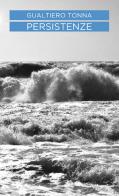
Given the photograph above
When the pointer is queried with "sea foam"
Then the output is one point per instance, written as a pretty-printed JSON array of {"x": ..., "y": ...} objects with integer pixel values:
[
  {"x": 81, "y": 83},
  {"x": 74, "y": 84}
]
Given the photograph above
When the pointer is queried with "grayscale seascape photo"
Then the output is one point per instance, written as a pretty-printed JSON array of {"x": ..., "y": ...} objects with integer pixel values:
[
  {"x": 59, "y": 128},
  {"x": 59, "y": 98}
]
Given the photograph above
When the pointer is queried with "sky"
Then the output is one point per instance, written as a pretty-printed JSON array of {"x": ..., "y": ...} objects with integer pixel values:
[{"x": 59, "y": 46}]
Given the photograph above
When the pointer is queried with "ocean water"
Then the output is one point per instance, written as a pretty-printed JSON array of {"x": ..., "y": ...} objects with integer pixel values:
[
  {"x": 59, "y": 129},
  {"x": 36, "y": 83}
]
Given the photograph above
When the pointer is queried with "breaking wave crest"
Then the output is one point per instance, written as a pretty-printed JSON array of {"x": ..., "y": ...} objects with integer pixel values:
[
  {"x": 58, "y": 85},
  {"x": 80, "y": 83},
  {"x": 9, "y": 87}
]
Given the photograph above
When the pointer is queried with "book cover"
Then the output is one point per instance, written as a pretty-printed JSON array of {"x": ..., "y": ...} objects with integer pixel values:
[{"x": 59, "y": 97}]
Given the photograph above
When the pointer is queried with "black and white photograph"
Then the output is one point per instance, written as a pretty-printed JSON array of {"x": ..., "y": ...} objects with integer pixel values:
[{"x": 59, "y": 103}]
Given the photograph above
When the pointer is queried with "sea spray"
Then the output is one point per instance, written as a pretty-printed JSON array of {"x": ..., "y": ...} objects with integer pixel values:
[
  {"x": 79, "y": 83},
  {"x": 95, "y": 84},
  {"x": 36, "y": 90},
  {"x": 74, "y": 84},
  {"x": 9, "y": 87},
  {"x": 61, "y": 90}
]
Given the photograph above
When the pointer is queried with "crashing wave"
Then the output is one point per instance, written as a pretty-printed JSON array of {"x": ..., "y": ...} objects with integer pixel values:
[
  {"x": 79, "y": 83},
  {"x": 74, "y": 84}
]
